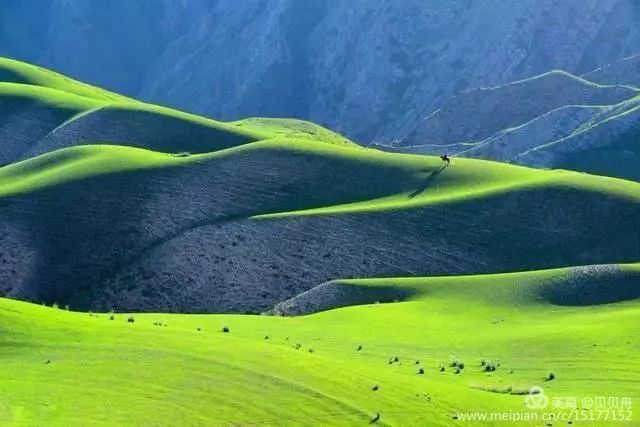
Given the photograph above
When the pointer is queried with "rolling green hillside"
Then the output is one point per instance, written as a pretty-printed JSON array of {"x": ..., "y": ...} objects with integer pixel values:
[
  {"x": 13, "y": 71},
  {"x": 125, "y": 205},
  {"x": 109, "y": 204},
  {"x": 165, "y": 369},
  {"x": 42, "y": 111},
  {"x": 244, "y": 228}
]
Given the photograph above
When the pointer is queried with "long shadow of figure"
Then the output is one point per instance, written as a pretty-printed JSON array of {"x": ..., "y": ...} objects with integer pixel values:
[{"x": 427, "y": 182}]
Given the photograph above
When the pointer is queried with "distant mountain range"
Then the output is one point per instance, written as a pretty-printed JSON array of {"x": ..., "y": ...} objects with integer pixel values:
[{"x": 372, "y": 70}]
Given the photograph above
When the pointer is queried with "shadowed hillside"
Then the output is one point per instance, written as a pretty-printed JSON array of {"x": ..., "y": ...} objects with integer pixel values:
[
  {"x": 120, "y": 204},
  {"x": 244, "y": 228}
]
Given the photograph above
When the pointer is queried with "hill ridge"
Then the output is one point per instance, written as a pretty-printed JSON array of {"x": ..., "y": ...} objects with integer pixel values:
[
  {"x": 56, "y": 111},
  {"x": 194, "y": 211},
  {"x": 568, "y": 286},
  {"x": 236, "y": 217},
  {"x": 559, "y": 72}
]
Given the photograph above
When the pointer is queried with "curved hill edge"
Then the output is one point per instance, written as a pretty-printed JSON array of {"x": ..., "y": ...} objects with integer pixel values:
[
  {"x": 564, "y": 180},
  {"x": 427, "y": 182},
  {"x": 474, "y": 236},
  {"x": 149, "y": 126},
  {"x": 46, "y": 111},
  {"x": 565, "y": 74},
  {"x": 49, "y": 96},
  {"x": 15, "y": 71},
  {"x": 143, "y": 126},
  {"x": 571, "y": 286},
  {"x": 113, "y": 159}
]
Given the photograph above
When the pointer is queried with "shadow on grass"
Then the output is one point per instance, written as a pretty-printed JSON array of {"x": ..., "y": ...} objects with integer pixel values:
[{"x": 427, "y": 182}]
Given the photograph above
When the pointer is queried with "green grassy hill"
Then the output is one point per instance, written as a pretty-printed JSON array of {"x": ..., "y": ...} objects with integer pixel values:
[
  {"x": 13, "y": 71},
  {"x": 43, "y": 111},
  {"x": 244, "y": 228},
  {"x": 193, "y": 215},
  {"x": 89, "y": 369},
  {"x": 111, "y": 204}
]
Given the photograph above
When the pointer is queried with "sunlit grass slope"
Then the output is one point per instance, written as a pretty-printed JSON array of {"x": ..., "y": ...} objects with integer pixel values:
[
  {"x": 84, "y": 162},
  {"x": 319, "y": 369},
  {"x": 13, "y": 71},
  {"x": 110, "y": 201},
  {"x": 245, "y": 228},
  {"x": 417, "y": 180},
  {"x": 43, "y": 111},
  {"x": 292, "y": 128},
  {"x": 47, "y": 96},
  {"x": 404, "y": 181}
]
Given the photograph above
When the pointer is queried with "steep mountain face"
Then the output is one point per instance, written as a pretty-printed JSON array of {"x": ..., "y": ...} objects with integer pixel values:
[
  {"x": 554, "y": 120},
  {"x": 107, "y": 42},
  {"x": 372, "y": 70},
  {"x": 481, "y": 113},
  {"x": 625, "y": 71}
]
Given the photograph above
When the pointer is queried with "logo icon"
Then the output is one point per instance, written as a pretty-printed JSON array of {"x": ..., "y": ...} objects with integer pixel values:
[{"x": 536, "y": 399}]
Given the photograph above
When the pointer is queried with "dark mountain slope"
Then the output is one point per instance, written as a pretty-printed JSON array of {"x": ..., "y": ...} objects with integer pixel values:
[
  {"x": 621, "y": 158},
  {"x": 555, "y": 120},
  {"x": 625, "y": 71},
  {"x": 479, "y": 114}
]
